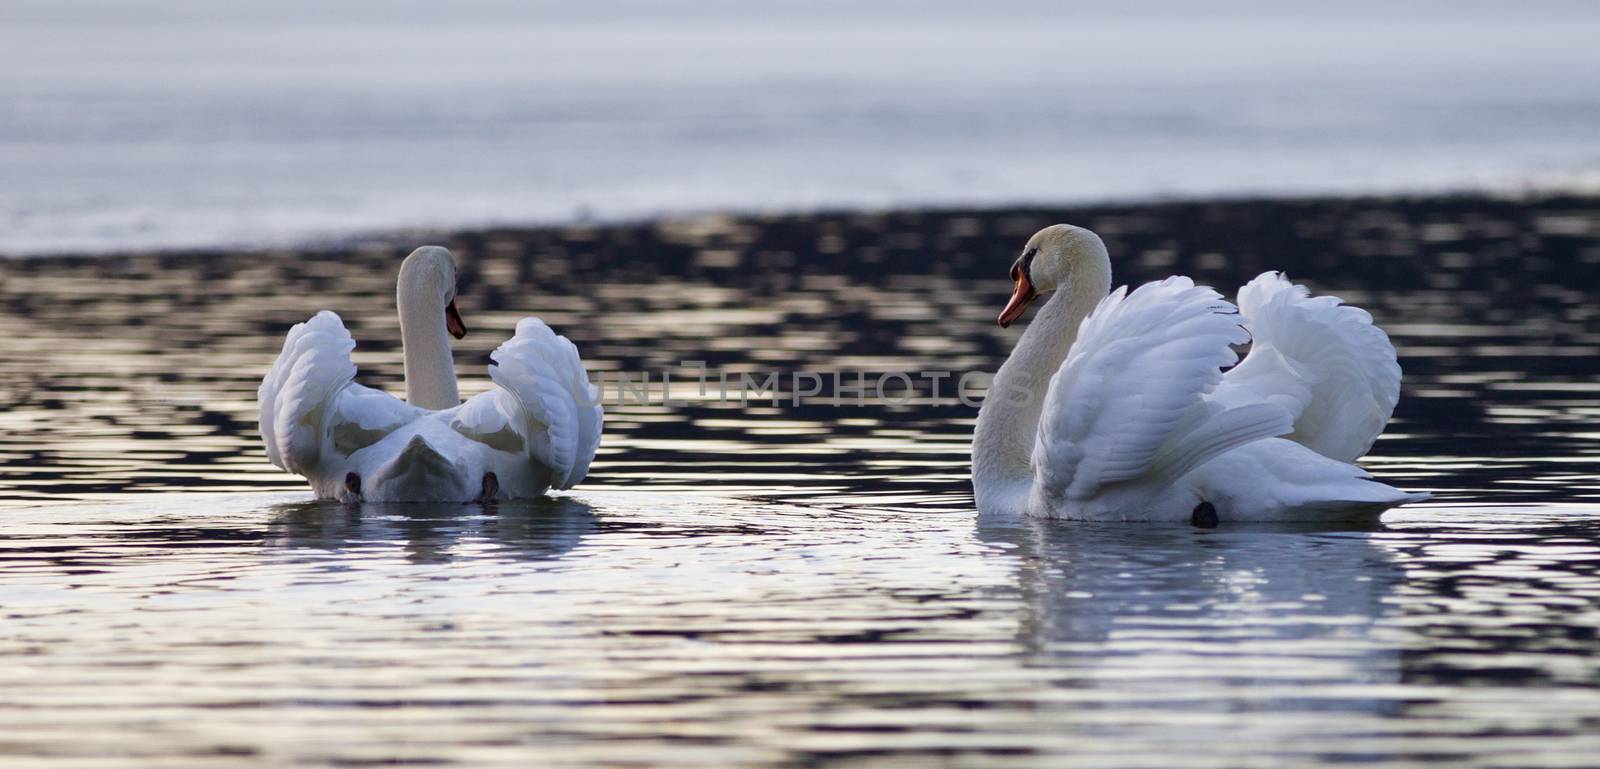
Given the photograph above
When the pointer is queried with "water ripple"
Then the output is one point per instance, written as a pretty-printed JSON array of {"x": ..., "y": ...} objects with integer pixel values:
[{"x": 782, "y": 585}]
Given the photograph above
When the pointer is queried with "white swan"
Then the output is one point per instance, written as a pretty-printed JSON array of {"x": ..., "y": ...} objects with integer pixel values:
[
  {"x": 1116, "y": 407},
  {"x": 537, "y": 429}
]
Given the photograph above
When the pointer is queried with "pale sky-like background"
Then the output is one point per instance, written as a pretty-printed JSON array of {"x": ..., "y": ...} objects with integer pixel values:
[{"x": 178, "y": 123}]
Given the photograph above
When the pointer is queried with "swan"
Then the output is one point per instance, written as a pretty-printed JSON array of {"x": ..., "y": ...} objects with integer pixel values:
[
  {"x": 1114, "y": 404},
  {"x": 536, "y": 429}
]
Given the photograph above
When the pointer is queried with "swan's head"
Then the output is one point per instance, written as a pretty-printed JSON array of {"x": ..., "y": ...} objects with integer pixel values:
[
  {"x": 1056, "y": 257},
  {"x": 428, "y": 284}
]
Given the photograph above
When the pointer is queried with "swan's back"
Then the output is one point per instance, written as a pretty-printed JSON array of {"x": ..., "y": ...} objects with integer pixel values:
[{"x": 1130, "y": 403}]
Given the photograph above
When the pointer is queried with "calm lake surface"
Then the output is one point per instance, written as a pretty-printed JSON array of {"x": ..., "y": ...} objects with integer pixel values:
[{"x": 781, "y": 585}]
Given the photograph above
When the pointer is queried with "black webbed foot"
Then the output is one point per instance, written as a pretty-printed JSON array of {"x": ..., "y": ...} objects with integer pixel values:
[
  {"x": 352, "y": 487},
  {"x": 491, "y": 490}
]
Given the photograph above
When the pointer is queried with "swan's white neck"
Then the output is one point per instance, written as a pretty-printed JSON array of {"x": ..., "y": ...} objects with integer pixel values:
[
  {"x": 1008, "y": 421},
  {"x": 430, "y": 369}
]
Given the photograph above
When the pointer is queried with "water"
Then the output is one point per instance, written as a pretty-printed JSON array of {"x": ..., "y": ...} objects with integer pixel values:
[
  {"x": 794, "y": 585},
  {"x": 612, "y": 629},
  {"x": 178, "y": 123}
]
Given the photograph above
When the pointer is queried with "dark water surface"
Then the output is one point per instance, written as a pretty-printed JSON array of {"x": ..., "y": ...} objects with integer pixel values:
[{"x": 767, "y": 585}]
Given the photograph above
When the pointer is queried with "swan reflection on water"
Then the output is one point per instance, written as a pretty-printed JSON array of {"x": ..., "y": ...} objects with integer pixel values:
[
  {"x": 796, "y": 633},
  {"x": 538, "y": 529},
  {"x": 1219, "y": 620}
]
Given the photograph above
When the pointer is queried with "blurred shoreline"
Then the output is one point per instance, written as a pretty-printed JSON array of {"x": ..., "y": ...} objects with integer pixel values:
[{"x": 407, "y": 238}]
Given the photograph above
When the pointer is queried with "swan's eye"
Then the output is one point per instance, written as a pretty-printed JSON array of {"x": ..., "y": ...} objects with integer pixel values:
[{"x": 1020, "y": 267}]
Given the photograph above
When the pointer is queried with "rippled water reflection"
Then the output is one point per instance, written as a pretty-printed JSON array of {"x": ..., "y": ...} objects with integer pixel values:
[{"x": 794, "y": 586}]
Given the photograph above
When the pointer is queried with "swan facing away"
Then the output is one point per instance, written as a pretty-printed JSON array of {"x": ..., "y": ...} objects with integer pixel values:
[
  {"x": 1114, "y": 404},
  {"x": 536, "y": 429}
]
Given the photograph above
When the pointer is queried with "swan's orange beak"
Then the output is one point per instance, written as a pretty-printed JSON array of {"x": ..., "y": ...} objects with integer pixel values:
[
  {"x": 452, "y": 320},
  {"x": 1020, "y": 298}
]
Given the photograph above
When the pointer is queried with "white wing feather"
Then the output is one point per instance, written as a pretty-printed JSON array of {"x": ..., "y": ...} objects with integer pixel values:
[
  {"x": 545, "y": 398},
  {"x": 1130, "y": 401},
  {"x": 297, "y": 393},
  {"x": 1325, "y": 362}
]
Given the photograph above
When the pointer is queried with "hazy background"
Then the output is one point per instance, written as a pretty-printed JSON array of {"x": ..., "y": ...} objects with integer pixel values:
[
  {"x": 183, "y": 123},
  {"x": 767, "y": 585}
]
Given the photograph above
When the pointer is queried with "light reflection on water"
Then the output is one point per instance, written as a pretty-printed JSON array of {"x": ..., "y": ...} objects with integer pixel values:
[
  {"x": 614, "y": 627},
  {"x": 845, "y": 609}
]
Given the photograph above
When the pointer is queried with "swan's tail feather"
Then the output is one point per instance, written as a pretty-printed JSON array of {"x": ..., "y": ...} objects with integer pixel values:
[
  {"x": 1279, "y": 480},
  {"x": 418, "y": 472}
]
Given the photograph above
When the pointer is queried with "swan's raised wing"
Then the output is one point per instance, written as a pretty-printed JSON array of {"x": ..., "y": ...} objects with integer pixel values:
[
  {"x": 1326, "y": 362},
  {"x": 544, "y": 408},
  {"x": 297, "y": 393},
  {"x": 1130, "y": 402},
  {"x": 310, "y": 404}
]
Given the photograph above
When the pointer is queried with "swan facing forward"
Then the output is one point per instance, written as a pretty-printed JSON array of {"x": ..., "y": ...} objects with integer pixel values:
[
  {"x": 1115, "y": 406},
  {"x": 537, "y": 429}
]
